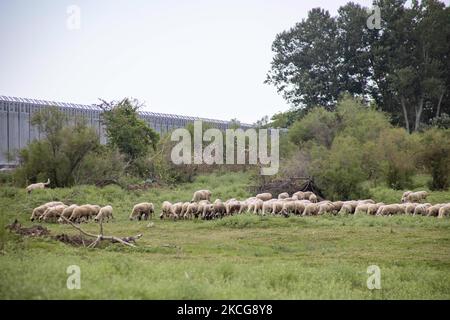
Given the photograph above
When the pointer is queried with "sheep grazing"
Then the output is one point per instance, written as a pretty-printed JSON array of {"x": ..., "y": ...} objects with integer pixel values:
[
  {"x": 201, "y": 195},
  {"x": 289, "y": 207},
  {"x": 208, "y": 211},
  {"x": 143, "y": 210},
  {"x": 67, "y": 213},
  {"x": 243, "y": 206},
  {"x": 39, "y": 211},
  {"x": 313, "y": 198},
  {"x": 348, "y": 207},
  {"x": 421, "y": 209},
  {"x": 405, "y": 194},
  {"x": 219, "y": 208},
  {"x": 52, "y": 213},
  {"x": 444, "y": 211},
  {"x": 232, "y": 206},
  {"x": 414, "y": 196},
  {"x": 256, "y": 206},
  {"x": 372, "y": 208},
  {"x": 267, "y": 206},
  {"x": 191, "y": 211},
  {"x": 35, "y": 186},
  {"x": 299, "y": 195},
  {"x": 337, "y": 205},
  {"x": 165, "y": 210},
  {"x": 300, "y": 206},
  {"x": 389, "y": 209},
  {"x": 105, "y": 213},
  {"x": 277, "y": 206},
  {"x": 311, "y": 209},
  {"x": 410, "y": 207},
  {"x": 325, "y": 207},
  {"x": 362, "y": 208},
  {"x": 264, "y": 196},
  {"x": 283, "y": 195},
  {"x": 84, "y": 212},
  {"x": 175, "y": 210},
  {"x": 184, "y": 209},
  {"x": 433, "y": 211}
]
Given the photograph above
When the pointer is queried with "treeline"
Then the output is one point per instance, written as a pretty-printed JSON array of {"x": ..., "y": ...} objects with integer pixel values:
[
  {"x": 70, "y": 152},
  {"x": 402, "y": 65},
  {"x": 353, "y": 147}
]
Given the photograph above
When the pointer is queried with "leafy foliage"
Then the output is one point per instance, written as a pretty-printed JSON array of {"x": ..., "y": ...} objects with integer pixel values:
[
  {"x": 434, "y": 155},
  {"x": 404, "y": 66},
  {"x": 60, "y": 154},
  {"x": 126, "y": 131}
]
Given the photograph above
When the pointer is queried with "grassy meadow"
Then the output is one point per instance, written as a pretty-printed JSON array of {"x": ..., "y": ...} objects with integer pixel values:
[{"x": 246, "y": 256}]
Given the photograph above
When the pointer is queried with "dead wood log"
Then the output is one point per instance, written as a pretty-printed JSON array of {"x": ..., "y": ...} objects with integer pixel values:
[{"x": 127, "y": 241}]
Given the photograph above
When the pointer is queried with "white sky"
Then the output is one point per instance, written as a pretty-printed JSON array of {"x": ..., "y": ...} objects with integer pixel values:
[{"x": 199, "y": 58}]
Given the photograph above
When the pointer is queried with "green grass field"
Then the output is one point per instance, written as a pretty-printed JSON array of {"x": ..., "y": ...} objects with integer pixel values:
[{"x": 238, "y": 257}]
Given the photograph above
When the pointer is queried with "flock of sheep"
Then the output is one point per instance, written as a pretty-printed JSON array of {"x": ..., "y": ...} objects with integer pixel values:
[{"x": 200, "y": 207}]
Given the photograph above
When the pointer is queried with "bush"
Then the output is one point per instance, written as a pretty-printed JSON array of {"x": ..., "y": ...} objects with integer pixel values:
[
  {"x": 104, "y": 164},
  {"x": 60, "y": 153},
  {"x": 397, "y": 151},
  {"x": 434, "y": 155},
  {"x": 359, "y": 121},
  {"x": 319, "y": 126},
  {"x": 338, "y": 171}
]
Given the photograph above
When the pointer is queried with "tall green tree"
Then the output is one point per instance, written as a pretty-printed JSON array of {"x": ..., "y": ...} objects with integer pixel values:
[
  {"x": 403, "y": 67},
  {"x": 303, "y": 68},
  {"x": 126, "y": 131}
]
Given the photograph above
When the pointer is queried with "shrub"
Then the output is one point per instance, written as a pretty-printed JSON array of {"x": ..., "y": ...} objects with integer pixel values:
[
  {"x": 338, "y": 171},
  {"x": 397, "y": 151},
  {"x": 434, "y": 155},
  {"x": 319, "y": 126},
  {"x": 60, "y": 153}
]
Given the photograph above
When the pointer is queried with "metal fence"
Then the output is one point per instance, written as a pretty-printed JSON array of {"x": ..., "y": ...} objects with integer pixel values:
[{"x": 16, "y": 130}]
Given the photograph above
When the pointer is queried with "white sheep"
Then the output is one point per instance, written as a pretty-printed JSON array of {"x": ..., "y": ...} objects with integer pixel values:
[
  {"x": 421, "y": 209},
  {"x": 264, "y": 196},
  {"x": 444, "y": 210},
  {"x": 143, "y": 210},
  {"x": 105, "y": 213},
  {"x": 52, "y": 213},
  {"x": 201, "y": 195},
  {"x": 414, "y": 196},
  {"x": 283, "y": 195}
]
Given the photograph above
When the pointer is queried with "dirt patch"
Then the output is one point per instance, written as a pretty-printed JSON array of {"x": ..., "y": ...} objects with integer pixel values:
[
  {"x": 76, "y": 240},
  {"x": 33, "y": 231}
]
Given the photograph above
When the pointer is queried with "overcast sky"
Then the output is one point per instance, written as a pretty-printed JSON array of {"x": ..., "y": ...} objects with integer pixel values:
[{"x": 199, "y": 58}]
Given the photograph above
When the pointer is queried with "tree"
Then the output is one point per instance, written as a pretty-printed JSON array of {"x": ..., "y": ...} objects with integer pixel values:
[
  {"x": 417, "y": 62},
  {"x": 303, "y": 68},
  {"x": 60, "y": 153},
  {"x": 126, "y": 131},
  {"x": 403, "y": 67}
]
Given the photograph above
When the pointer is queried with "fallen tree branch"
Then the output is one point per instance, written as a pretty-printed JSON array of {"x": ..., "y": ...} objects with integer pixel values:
[{"x": 128, "y": 241}]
